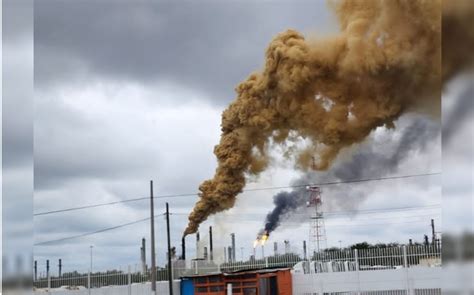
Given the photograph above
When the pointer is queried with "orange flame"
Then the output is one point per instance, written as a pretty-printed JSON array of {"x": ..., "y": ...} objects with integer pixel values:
[{"x": 261, "y": 239}]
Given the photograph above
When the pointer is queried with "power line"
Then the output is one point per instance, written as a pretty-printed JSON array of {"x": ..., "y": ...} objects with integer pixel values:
[
  {"x": 89, "y": 206},
  {"x": 363, "y": 211},
  {"x": 283, "y": 223},
  {"x": 247, "y": 190},
  {"x": 344, "y": 181},
  {"x": 240, "y": 215},
  {"x": 92, "y": 233}
]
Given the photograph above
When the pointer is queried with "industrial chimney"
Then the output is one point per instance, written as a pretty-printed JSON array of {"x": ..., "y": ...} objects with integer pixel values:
[
  {"x": 275, "y": 248},
  {"x": 229, "y": 253},
  {"x": 232, "y": 236},
  {"x": 211, "y": 250},
  {"x": 183, "y": 248},
  {"x": 304, "y": 250},
  {"x": 197, "y": 245},
  {"x": 205, "y": 253},
  {"x": 287, "y": 246}
]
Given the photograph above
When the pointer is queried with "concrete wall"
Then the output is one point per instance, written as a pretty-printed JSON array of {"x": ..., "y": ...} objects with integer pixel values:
[
  {"x": 134, "y": 289},
  {"x": 407, "y": 280}
]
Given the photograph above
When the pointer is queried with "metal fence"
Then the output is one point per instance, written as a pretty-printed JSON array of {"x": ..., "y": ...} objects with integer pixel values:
[{"x": 340, "y": 260}]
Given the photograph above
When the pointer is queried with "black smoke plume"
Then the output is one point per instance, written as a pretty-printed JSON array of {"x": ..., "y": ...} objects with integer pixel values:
[{"x": 377, "y": 159}]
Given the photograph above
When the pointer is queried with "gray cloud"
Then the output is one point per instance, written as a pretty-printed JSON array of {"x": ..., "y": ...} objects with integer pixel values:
[
  {"x": 98, "y": 64},
  {"x": 208, "y": 46}
]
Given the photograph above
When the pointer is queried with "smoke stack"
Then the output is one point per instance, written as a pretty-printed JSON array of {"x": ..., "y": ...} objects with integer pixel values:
[
  {"x": 229, "y": 253},
  {"x": 275, "y": 248},
  {"x": 35, "y": 267},
  {"x": 143, "y": 255},
  {"x": 410, "y": 242},
  {"x": 287, "y": 246},
  {"x": 304, "y": 250},
  {"x": 205, "y": 253},
  {"x": 197, "y": 245},
  {"x": 183, "y": 248},
  {"x": 232, "y": 236},
  {"x": 211, "y": 250}
]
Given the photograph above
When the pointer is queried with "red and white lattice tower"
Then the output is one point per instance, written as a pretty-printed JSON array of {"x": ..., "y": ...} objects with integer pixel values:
[{"x": 317, "y": 231}]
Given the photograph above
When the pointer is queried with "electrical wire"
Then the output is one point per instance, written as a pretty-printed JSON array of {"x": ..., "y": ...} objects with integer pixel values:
[
  {"x": 363, "y": 211},
  {"x": 92, "y": 233},
  {"x": 247, "y": 190},
  {"x": 240, "y": 220}
]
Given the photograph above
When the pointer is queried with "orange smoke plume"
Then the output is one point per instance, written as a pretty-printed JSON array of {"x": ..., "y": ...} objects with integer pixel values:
[{"x": 332, "y": 91}]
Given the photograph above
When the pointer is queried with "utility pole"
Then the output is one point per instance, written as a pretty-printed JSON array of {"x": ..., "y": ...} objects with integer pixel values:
[
  {"x": 170, "y": 274},
  {"x": 91, "y": 257},
  {"x": 152, "y": 228},
  {"x": 48, "y": 275},
  {"x": 143, "y": 255}
]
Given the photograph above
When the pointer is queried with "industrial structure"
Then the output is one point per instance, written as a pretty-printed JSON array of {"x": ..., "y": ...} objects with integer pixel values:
[{"x": 317, "y": 230}]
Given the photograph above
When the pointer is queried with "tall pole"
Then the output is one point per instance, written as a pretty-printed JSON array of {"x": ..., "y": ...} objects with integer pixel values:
[
  {"x": 143, "y": 255},
  {"x": 170, "y": 274},
  {"x": 152, "y": 228},
  {"x": 60, "y": 266},
  {"x": 433, "y": 233},
  {"x": 47, "y": 269},
  {"x": 91, "y": 257}
]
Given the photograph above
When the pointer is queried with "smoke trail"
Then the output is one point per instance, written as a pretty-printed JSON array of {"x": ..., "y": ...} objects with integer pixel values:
[
  {"x": 372, "y": 160},
  {"x": 333, "y": 92}
]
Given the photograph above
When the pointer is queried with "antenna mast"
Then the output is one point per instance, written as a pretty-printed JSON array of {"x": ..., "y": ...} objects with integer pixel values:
[{"x": 317, "y": 230}]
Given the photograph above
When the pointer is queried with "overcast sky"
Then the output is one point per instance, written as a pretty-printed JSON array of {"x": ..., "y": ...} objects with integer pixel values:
[{"x": 131, "y": 91}]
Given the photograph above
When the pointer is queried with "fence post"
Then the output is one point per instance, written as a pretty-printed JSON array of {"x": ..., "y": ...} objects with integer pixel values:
[
  {"x": 405, "y": 265},
  {"x": 356, "y": 258},
  {"x": 129, "y": 280},
  {"x": 89, "y": 282},
  {"x": 405, "y": 258}
]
